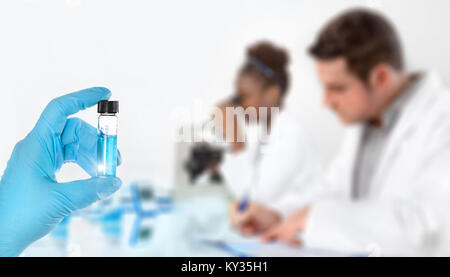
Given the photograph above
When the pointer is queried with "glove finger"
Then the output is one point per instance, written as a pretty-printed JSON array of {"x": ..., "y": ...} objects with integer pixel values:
[
  {"x": 56, "y": 112},
  {"x": 82, "y": 193}
]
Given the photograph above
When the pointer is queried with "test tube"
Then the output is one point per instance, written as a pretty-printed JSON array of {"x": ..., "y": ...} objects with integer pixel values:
[{"x": 107, "y": 138}]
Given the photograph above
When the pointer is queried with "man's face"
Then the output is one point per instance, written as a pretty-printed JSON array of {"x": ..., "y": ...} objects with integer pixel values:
[{"x": 344, "y": 93}]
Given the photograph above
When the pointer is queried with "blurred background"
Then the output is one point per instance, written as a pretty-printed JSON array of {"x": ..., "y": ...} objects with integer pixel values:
[
  {"x": 162, "y": 57},
  {"x": 159, "y": 56}
]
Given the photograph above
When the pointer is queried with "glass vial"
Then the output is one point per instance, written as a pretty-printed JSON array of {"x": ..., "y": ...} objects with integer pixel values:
[{"x": 107, "y": 138}]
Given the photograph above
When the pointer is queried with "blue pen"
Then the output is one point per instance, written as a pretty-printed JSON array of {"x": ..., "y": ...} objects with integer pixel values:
[{"x": 243, "y": 205}]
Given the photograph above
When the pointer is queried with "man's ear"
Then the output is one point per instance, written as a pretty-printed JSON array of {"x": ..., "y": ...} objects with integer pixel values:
[{"x": 380, "y": 77}]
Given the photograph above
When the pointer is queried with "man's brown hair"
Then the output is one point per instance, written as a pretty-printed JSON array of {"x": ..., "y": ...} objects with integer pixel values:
[{"x": 364, "y": 38}]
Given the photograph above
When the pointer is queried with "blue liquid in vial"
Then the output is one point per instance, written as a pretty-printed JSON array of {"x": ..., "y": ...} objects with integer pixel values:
[{"x": 106, "y": 155}]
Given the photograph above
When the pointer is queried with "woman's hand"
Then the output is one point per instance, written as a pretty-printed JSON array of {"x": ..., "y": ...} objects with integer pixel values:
[{"x": 288, "y": 230}]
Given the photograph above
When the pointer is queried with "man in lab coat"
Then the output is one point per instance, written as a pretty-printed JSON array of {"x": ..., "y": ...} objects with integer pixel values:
[{"x": 388, "y": 191}]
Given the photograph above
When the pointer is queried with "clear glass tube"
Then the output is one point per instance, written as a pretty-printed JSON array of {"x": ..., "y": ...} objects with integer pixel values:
[{"x": 107, "y": 144}]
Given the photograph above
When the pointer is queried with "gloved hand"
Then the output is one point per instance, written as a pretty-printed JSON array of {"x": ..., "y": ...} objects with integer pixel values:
[{"x": 32, "y": 202}]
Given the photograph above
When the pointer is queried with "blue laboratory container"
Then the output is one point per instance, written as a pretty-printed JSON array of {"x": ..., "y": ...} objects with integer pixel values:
[{"x": 107, "y": 138}]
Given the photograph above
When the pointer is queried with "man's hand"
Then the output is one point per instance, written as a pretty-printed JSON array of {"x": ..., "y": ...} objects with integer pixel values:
[
  {"x": 288, "y": 230},
  {"x": 32, "y": 202},
  {"x": 256, "y": 219}
]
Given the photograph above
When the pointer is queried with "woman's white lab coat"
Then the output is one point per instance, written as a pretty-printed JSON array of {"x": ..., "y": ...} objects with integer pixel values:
[
  {"x": 288, "y": 167},
  {"x": 408, "y": 210}
]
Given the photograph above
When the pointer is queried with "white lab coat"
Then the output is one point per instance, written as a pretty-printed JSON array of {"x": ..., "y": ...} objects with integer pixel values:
[
  {"x": 288, "y": 168},
  {"x": 406, "y": 213}
]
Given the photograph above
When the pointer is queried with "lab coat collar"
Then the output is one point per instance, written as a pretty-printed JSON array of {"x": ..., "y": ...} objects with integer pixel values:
[
  {"x": 393, "y": 111},
  {"x": 412, "y": 110}
]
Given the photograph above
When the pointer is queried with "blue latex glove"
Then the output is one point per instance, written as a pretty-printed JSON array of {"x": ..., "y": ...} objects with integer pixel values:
[{"x": 32, "y": 202}]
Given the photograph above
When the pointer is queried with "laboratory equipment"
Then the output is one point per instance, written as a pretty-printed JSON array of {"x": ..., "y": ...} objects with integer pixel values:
[
  {"x": 107, "y": 138},
  {"x": 29, "y": 190},
  {"x": 201, "y": 157}
]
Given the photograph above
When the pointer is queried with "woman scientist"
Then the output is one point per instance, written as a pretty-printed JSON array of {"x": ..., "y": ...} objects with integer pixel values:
[{"x": 268, "y": 176}]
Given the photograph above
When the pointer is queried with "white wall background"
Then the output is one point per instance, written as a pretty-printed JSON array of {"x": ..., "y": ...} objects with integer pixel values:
[{"x": 159, "y": 55}]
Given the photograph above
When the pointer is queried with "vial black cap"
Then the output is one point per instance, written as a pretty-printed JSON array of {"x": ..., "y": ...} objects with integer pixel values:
[{"x": 108, "y": 107}]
